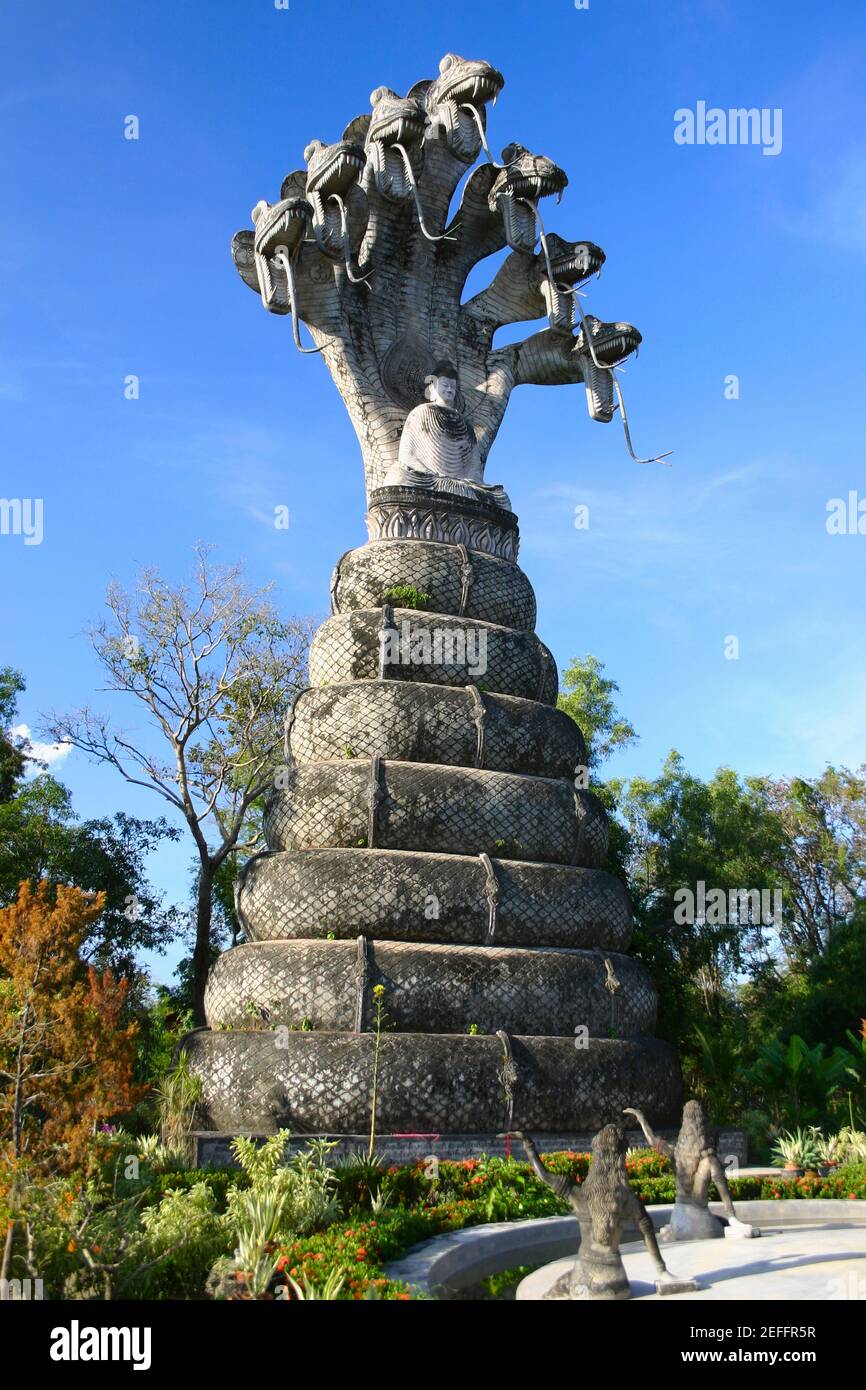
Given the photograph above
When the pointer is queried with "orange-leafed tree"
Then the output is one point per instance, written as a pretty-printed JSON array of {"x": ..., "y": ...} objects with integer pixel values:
[{"x": 66, "y": 1055}]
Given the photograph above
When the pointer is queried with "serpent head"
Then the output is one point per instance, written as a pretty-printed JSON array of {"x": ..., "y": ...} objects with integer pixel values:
[
  {"x": 462, "y": 83},
  {"x": 332, "y": 169},
  {"x": 395, "y": 120},
  {"x": 397, "y": 124},
  {"x": 611, "y": 344},
  {"x": 520, "y": 183},
  {"x": 559, "y": 265},
  {"x": 281, "y": 224},
  {"x": 570, "y": 261}
]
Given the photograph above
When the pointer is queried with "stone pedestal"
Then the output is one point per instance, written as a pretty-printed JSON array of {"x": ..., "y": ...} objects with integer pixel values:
[{"x": 426, "y": 836}]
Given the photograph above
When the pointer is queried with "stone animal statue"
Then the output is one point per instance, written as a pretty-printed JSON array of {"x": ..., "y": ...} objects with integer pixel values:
[
  {"x": 696, "y": 1164},
  {"x": 605, "y": 1205},
  {"x": 363, "y": 248}
]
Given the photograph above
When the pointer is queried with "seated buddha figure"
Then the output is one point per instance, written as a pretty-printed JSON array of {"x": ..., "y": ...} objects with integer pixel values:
[{"x": 438, "y": 448}]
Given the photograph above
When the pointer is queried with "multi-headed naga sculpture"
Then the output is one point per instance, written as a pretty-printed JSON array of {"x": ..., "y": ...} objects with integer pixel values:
[
  {"x": 427, "y": 836},
  {"x": 362, "y": 247}
]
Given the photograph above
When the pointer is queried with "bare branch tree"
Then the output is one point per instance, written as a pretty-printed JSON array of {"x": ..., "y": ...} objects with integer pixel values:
[{"x": 214, "y": 666}]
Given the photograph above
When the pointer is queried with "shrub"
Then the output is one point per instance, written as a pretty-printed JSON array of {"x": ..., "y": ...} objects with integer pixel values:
[{"x": 406, "y": 596}]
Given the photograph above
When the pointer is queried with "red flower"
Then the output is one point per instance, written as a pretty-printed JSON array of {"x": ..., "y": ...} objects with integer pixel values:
[{"x": 361, "y": 1254}]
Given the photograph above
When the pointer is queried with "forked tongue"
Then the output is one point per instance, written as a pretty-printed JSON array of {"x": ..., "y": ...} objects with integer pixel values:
[
  {"x": 283, "y": 261},
  {"x": 410, "y": 175},
  {"x": 476, "y": 116},
  {"x": 344, "y": 241}
]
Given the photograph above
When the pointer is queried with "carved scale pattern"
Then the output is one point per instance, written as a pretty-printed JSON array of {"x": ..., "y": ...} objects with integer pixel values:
[
  {"x": 434, "y": 724},
  {"x": 426, "y": 834},
  {"x": 431, "y": 988}
]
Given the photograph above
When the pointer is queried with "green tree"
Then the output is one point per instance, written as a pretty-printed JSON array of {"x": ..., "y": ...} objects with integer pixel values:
[
  {"x": 684, "y": 832},
  {"x": 13, "y": 749},
  {"x": 820, "y": 1001},
  {"x": 41, "y": 838},
  {"x": 823, "y": 855},
  {"x": 212, "y": 666},
  {"x": 588, "y": 697}
]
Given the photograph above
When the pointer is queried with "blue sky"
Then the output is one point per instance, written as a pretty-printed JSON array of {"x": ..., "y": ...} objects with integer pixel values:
[{"x": 114, "y": 260}]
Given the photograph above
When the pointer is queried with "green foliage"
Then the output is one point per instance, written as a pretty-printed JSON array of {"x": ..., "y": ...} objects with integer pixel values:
[
  {"x": 587, "y": 696},
  {"x": 851, "y": 1145},
  {"x": 41, "y": 837},
  {"x": 281, "y": 1200},
  {"x": 682, "y": 832},
  {"x": 183, "y": 1234},
  {"x": 799, "y": 1082},
  {"x": 507, "y": 849},
  {"x": 799, "y": 1147},
  {"x": 306, "y": 1290},
  {"x": 163, "y": 1024},
  {"x": 178, "y": 1093},
  {"x": 820, "y": 1000},
  {"x": 713, "y": 1064},
  {"x": 406, "y": 596},
  {"x": 13, "y": 748},
  {"x": 219, "y": 1180},
  {"x": 88, "y": 1242},
  {"x": 498, "y": 1286}
]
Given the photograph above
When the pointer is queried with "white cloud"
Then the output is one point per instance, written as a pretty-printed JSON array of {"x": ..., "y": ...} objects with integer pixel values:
[{"x": 42, "y": 752}]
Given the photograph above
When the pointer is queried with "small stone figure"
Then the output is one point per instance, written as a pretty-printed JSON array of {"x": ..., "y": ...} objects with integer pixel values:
[
  {"x": 438, "y": 447},
  {"x": 604, "y": 1205},
  {"x": 696, "y": 1163}
]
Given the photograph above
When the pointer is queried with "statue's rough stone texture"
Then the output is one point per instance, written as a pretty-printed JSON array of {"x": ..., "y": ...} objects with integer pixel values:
[
  {"x": 696, "y": 1164},
  {"x": 604, "y": 1205},
  {"x": 426, "y": 834}
]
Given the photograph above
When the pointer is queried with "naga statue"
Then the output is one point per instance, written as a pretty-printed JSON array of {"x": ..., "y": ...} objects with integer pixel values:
[
  {"x": 426, "y": 835},
  {"x": 362, "y": 247},
  {"x": 696, "y": 1163},
  {"x": 605, "y": 1205}
]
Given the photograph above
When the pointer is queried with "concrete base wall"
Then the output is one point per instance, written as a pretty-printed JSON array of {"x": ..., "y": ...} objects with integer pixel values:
[{"x": 214, "y": 1150}]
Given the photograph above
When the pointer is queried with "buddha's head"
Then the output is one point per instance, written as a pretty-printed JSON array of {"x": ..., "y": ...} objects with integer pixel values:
[{"x": 441, "y": 385}]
